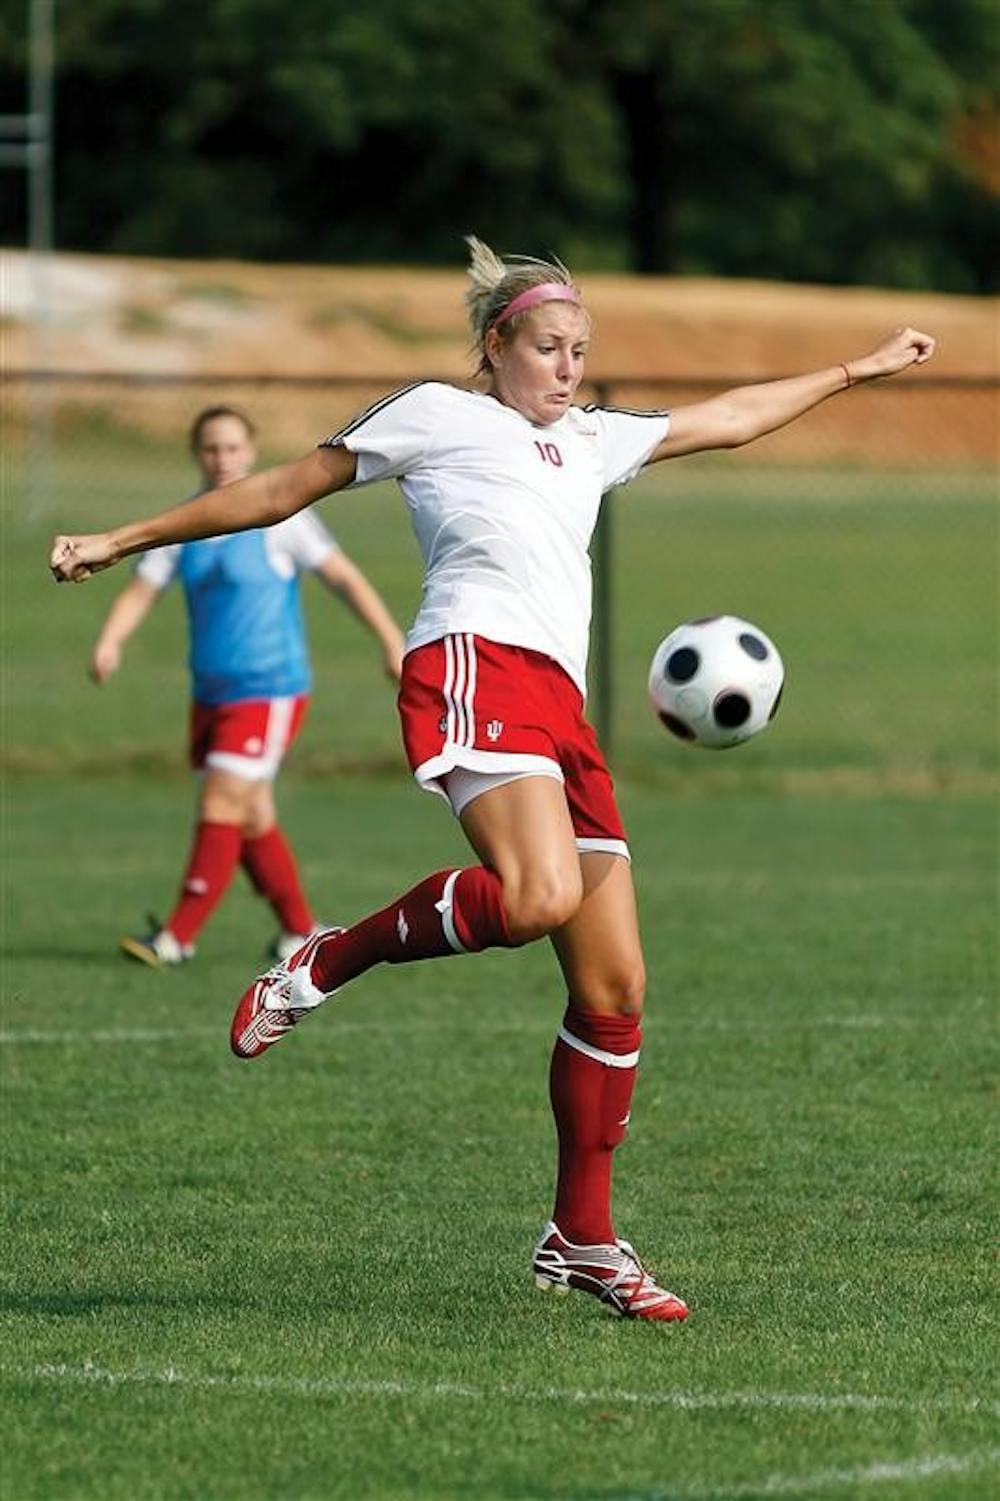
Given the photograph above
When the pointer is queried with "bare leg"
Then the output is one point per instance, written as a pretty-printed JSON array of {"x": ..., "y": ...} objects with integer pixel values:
[
  {"x": 230, "y": 799},
  {"x": 523, "y": 832},
  {"x": 599, "y": 948}
]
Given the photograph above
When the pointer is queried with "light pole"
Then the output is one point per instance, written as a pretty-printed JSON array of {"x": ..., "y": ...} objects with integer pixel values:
[{"x": 26, "y": 142}]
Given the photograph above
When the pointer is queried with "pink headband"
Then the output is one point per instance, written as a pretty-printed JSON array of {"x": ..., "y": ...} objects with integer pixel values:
[{"x": 548, "y": 291}]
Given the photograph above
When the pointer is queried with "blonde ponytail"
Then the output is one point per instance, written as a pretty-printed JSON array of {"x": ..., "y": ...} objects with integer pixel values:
[{"x": 486, "y": 269}]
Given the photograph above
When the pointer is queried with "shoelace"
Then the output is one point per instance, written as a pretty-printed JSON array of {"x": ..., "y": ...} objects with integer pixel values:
[
  {"x": 632, "y": 1284},
  {"x": 278, "y": 987}
]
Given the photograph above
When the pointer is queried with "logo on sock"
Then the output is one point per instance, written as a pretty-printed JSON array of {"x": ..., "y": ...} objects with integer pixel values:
[
  {"x": 495, "y": 729},
  {"x": 628, "y": 1117},
  {"x": 402, "y": 926},
  {"x": 196, "y": 886}
]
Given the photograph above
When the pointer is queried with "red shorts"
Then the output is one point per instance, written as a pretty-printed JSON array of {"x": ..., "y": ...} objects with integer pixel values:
[
  {"x": 473, "y": 703},
  {"x": 248, "y": 738}
]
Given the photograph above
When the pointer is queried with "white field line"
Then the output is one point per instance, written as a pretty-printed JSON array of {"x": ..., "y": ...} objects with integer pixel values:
[
  {"x": 468, "y": 1023},
  {"x": 323, "y": 1386},
  {"x": 19, "y": 1037},
  {"x": 931, "y": 1467}
]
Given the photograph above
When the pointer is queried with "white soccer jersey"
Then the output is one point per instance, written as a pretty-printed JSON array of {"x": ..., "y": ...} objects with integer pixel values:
[{"x": 503, "y": 510}]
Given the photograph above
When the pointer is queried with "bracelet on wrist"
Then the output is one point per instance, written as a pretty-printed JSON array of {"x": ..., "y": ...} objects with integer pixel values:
[{"x": 848, "y": 383}]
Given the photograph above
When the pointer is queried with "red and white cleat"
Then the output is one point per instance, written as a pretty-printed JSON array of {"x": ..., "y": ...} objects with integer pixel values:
[
  {"x": 612, "y": 1273},
  {"x": 276, "y": 1001}
]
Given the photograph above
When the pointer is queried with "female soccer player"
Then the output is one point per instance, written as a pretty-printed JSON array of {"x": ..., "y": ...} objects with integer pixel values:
[
  {"x": 251, "y": 678},
  {"x": 503, "y": 487}
]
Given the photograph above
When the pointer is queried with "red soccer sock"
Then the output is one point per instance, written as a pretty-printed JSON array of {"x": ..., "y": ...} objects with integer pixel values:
[
  {"x": 591, "y": 1080},
  {"x": 271, "y": 866},
  {"x": 450, "y": 912},
  {"x": 211, "y": 863}
]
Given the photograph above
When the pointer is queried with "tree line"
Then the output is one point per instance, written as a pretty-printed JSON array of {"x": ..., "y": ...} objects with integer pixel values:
[{"x": 840, "y": 141}]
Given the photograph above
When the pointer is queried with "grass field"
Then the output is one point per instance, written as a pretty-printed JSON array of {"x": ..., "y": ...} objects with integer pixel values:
[
  {"x": 879, "y": 589},
  {"x": 308, "y": 1277}
]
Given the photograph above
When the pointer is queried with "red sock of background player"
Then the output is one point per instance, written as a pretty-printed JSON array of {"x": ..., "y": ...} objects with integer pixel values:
[
  {"x": 213, "y": 859},
  {"x": 591, "y": 1080},
  {"x": 450, "y": 912},
  {"x": 271, "y": 866}
]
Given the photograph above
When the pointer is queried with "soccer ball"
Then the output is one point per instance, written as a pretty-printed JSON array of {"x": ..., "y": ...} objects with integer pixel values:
[{"x": 715, "y": 682}]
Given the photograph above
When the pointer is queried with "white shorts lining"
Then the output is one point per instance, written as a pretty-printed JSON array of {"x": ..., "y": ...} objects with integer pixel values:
[
  {"x": 461, "y": 786},
  {"x": 250, "y": 768},
  {"x": 591, "y": 846},
  {"x": 429, "y": 774}
]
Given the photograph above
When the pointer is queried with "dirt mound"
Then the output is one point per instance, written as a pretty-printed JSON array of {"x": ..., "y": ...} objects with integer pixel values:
[
  {"x": 654, "y": 338},
  {"x": 190, "y": 317}
]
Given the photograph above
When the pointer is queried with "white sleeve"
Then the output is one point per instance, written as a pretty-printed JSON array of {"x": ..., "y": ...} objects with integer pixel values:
[
  {"x": 304, "y": 539},
  {"x": 627, "y": 440},
  {"x": 391, "y": 437},
  {"x": 158, "y": 567}
]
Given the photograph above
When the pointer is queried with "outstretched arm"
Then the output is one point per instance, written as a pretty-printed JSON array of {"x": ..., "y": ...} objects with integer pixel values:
[
  {"x": 363, "y": 599},
  {"x": 259, "y": 500},
  {"x": 748, "y": 412},
  {"x": 125, "y": 616}
]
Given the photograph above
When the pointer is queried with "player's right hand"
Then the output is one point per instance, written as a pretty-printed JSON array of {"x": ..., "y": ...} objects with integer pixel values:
[{"x": 74, "y": 559}]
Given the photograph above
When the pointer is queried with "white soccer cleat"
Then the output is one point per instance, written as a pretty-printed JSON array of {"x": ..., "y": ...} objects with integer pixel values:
[
  {"x": 612, "y": 1273},
  {"x": 277, "y": 1001},
  {"x": 158, "y": 948}
]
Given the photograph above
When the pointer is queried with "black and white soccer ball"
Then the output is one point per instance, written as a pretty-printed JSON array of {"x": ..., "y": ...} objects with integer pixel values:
[{"x": 716, "y": 682}]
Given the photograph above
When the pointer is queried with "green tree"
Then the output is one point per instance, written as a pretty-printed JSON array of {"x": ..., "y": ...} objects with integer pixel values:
[
  {"x": 326, "y": 129},
  {"x": 810, "y": 139},
  {"x": 823, "y": 140}
]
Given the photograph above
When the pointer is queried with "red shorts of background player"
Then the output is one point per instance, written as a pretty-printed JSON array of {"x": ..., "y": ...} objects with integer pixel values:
[
  {"x": 248, "y": 738},
  {"x": 469, "y": 705}
]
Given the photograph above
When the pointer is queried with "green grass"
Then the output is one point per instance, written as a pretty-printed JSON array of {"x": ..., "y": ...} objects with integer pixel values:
[
  {"x": 350, "y": 1219},
  {"x": 880, "y": 592},
  {"x": 879, "y": 589},
  {"x": 308, "y": 1277}
]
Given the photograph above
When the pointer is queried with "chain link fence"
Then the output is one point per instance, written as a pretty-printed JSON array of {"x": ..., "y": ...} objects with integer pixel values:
[{"x": 863, "y": 538}]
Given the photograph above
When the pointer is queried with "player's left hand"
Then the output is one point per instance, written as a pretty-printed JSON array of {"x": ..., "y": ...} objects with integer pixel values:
[
  {"x": 105, "y": 661},
  {"x": 74, "y": 559},
  {"x": 905, "y": 347},
  {"x": 392, "y": 661}
]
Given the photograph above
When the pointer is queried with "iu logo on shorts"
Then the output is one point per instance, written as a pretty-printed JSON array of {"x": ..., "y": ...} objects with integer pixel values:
[{"x": 495, "y": 729}]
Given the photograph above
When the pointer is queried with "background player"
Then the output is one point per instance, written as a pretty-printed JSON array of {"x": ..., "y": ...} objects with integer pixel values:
[
  {"x": 250, "y": 686},
  {"x": 503, "y": 488}
]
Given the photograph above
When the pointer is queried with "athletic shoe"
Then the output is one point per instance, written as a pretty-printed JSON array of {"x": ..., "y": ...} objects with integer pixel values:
[
  {"x": 157, "y": 948},
  {"x": 612, "y": 1273},
  {"x": 277, "y": 1001},
  {"x": 286, "y": 944}
]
